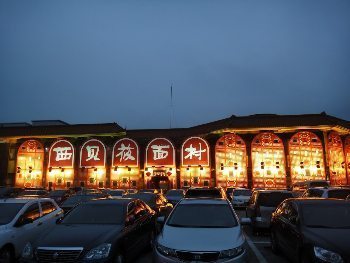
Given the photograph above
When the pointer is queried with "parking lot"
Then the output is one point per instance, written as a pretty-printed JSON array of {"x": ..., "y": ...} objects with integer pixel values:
[{"x": 259, "y": 247}]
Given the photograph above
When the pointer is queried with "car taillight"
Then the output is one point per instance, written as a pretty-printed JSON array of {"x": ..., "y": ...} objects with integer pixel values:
[{"x": 257, "y": 211}]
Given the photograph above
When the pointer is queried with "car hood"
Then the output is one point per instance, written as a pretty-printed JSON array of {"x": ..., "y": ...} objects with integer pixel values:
[
  {"x": 201, "y": 239},
  {"x": 336, "y": 240},
  {"x": 87, "y": 236}
]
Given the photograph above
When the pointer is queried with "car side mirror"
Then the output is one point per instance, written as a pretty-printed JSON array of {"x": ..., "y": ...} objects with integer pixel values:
[
  {"x": 59, "y": 220},
  {"x": 245, "y": 221},
  {"x": 23, "y": 221}
]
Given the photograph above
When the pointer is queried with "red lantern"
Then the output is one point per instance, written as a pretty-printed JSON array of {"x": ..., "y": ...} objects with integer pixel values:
[
  {"x": 168, "y": 173},
  {"x": 148, "y": 173}
]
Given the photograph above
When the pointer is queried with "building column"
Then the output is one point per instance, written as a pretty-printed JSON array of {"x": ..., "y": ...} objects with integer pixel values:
[
  {"x": 285, "y": 139},
  {"x": 324, "y": 140}
]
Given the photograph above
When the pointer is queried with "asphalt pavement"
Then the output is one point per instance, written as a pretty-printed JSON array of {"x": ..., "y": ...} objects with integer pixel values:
[{"x": 259, "y": 247}]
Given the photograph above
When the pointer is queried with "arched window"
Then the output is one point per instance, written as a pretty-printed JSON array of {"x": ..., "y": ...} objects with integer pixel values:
[
  {"x": 306, "y": 157},
  {"x": 231, "y": 161},
  {"x": 268, "y": 161},
  {"x": 30, "y": 159},
  {"x": 336, "y": 159}
]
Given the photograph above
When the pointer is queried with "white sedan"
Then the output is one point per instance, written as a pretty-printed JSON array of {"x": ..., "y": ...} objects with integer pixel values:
[{"x": 22, "y": 220}]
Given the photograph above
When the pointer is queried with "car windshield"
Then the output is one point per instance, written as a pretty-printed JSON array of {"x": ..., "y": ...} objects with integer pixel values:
[
  {"x": 74, "y": 200},
  {"x": 339, "y": 193},
  {"x": 202, "y": 215},
  {"x": 175, "y": 193},
  {"x": 30, "y": 192},
  {"x": 96, "y": 214},
  {"x": 272, "y": 199},
  {"x": 148, "y": 198},
  {"x": 57, "y": 193},
  {"x": 214, "y": 193},
  {"x": 319, "y": 184},
  {"x": 242, "y": 192},
  {"x": 327, "y": 215},
  {"x": 8, "y": 212}
]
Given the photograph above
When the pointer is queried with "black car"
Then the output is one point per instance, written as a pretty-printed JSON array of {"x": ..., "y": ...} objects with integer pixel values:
[
  {"x": 109, "y": 230},
  {"x": 312, "y": 230},
  {"x": 60, "y": 195},
  {"x": 175, "y": 195},
  {"x": 200, "y": 192},
  {"x": 34, "y": 192},
  {"x": 75, "y": 200},
  {"x": 9, "y": 192},
  {"x": 155, "y": 201}
]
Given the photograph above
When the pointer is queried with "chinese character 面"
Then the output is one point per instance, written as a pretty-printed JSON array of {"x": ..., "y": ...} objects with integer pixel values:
[
  {"x": 192, "y": 151},
  {"x": 159, "y": 153},
  {"x": 125, "y": 153},
  {"x": 92, "y": 153},
  {"x": 62, "y": 153}
]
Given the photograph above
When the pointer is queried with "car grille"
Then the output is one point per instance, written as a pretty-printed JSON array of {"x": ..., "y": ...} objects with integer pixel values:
[
  {"x": 198, "y": 256},
  {"x": 57, "y": 255}
]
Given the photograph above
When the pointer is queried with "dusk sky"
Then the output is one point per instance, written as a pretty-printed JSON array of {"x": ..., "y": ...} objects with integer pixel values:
[{"x": 99, "y": 61}]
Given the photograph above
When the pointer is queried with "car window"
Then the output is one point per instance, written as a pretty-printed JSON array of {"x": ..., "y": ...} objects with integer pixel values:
[
  {"x": 140, "y": 210},
  {"x": 32, "y": 212},
  {"x": 213, "y": 193},
  {"x": 289, "y": 212},
  {"x": 339, "y": 193},
  {"x": 273, "y": 199},
  {"x": 8, "y": 212},
  {"x": 47, "y": 207},
  {"x": 314, "y": 193}
]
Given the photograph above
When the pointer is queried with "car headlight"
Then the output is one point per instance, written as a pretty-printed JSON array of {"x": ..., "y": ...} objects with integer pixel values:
[
  {"x": 327, "y": 256},
  {"x": 102, "y": 251},
  {"x": 231, "y": 253},
  {"x": 169, "y": 252},
  {"x": 27, "y": 251}
]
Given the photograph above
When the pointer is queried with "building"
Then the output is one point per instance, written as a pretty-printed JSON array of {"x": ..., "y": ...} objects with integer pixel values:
[{"x": 261, "y": 150}]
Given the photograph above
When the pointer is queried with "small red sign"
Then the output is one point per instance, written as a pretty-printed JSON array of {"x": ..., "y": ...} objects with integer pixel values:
[
  {"x": 195, "y": 151},
  {"x": 160, "y": 152},
  {"x": 61, "y": 154},
  {"x": 93, "y": 154},
  {"x": 125, "y": 153}
]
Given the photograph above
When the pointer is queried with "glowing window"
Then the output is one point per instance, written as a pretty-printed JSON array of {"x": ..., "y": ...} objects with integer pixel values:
[
  {"x": 306, "y": 157},
  {"x": 268, "y": 161},
  {"x": 231, "y": 161},
  {"x": 336, "y": 159},
  {"x": 347, "y": 156}
]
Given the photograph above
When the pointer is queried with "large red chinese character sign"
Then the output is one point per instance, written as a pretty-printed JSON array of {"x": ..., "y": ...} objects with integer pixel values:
[
  {"x": 306, "y": 157},
  {"x": 61, "y": 154},
  {"x": 195, "y": 151},
  {"x": 30, "y": 159},
  {"x": 268, "y": 161},
  {"x": 125, "y": 153},
  {"x": 93, "y": 154},
  {"x": 195, "y": 170},
  {"x": 160, "y": 152},
  {"x": 231, "y": 161},
  {"x": 336, "y": 160}
]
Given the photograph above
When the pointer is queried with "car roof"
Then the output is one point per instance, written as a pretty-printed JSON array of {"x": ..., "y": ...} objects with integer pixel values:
[
  {"x": 203, "y": 200},
  {"x": 123, "y": 201},
  {"x": 316, "y": 201},
  {"x": 330, "y": 188},
  {"x": 272, "y": 191},
  {"x": 22, "y": 200}
]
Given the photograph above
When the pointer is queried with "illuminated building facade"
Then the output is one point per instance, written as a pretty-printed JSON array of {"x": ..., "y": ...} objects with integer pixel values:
[{"x": 262, "y": 150}]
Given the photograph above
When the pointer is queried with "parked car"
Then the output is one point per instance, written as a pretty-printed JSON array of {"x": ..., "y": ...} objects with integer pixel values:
[
  {"x": 34, "y": 192},
  {"x": 261, "y": 206},
  {"x": 9, "y": 192},
  {"x": 299, "y": 187},
  {"x": 175, "y": 195},
  {"x": 60, "y": 195},
  {"x": 115, "y": 193},
  {"x": 327, "y": 192},
  {"x": 109, "y": 230},
  {"x": 75, "y": 200},
  {"x": 157, "y": 202},
  {"x": 240, "y": 197},
  {"x": 201, "y": 230},
  {"x": 23, "y": 220},
  {"x": 312, "y": 230},
  {"x": 206, "y": 192}
]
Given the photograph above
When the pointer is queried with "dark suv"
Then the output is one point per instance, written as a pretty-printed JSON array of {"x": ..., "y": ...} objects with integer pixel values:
[
  {"x": 261, "y": 206},
  {"x": 212, "y": 192}
]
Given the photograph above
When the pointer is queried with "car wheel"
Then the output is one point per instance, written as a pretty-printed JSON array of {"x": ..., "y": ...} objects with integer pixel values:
[
  {"x": 274, "y": 243},
  {"x": 119, "y": 258},
  {"x": 6, "y": 255}
]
